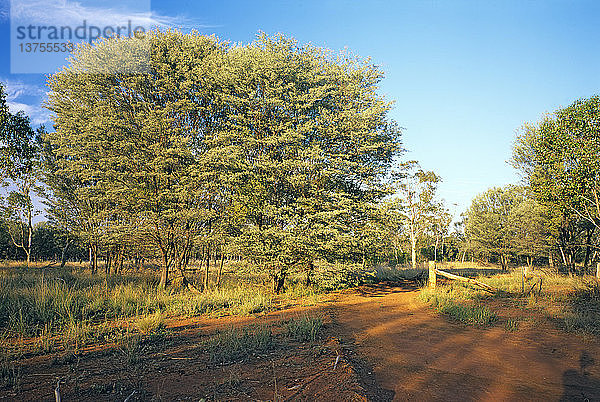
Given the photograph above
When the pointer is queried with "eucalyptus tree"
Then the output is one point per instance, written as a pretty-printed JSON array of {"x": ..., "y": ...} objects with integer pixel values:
[
  {"x": 19, "y": 170},
  {"x": 416, "y": 204},
  {"x": 488, "y": 224},
  {"x": 529, "y": 228}
]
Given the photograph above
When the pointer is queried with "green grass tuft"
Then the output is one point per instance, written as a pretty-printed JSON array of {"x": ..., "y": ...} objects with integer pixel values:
[
  {"x": 511, "y": 325},
  {"x": 237, "y": 343},
  {"x": 150, "y": 323},
  {"x": 449, "y": 302},
  {"x": 305, "y": 328}
]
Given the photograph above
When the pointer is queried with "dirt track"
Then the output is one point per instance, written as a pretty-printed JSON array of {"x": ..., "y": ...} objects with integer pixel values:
[
  {"x": 391, "y": 347},
  {"x": 417, "y": 355}
]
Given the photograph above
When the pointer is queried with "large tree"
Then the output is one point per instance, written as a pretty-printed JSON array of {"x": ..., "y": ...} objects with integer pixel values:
[
  {"x": 130, "y": 149},
  {"x": 314, "y": 141},
  {"x": 529, "y": 229},
  {"x": 277, "y": 145}
]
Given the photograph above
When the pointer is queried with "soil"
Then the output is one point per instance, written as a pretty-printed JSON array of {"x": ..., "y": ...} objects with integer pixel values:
[{"x": 387, "y": 344}]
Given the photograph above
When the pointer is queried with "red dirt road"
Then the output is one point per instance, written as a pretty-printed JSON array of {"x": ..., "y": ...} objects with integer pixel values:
[{"x": 391, "y": 347}]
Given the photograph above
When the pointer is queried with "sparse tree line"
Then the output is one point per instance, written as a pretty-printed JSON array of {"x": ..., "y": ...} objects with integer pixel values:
[
  {"x": 275, "y": 153},
  {"x": 554, "y": 217}
]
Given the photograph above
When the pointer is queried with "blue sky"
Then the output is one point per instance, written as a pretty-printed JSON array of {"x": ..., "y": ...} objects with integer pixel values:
[{"x": 465, "y": 75}]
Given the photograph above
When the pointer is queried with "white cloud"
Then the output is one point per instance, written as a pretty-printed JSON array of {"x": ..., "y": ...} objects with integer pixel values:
[
  {"x": 37, "y": 114},
  {"x": 4, "y": 7},
  {"x": 16, "y": 90},
  {"x": 73, "y": 13}
]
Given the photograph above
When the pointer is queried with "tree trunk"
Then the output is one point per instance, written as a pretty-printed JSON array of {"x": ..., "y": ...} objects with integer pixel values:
[
  {"x": 121, "y": 257},
  {"x": 29, "y": 235},
  {"x": 63, "y": 253},
  {"x": 220, "y": 274},
  {"x": 164, "y": 273},
  {"x": 503, "y": 261},
  {"x": 279, "y": 282},
  {"x": 588, "y": 243},
  {"x": 564, "y": 257},
  {"x": 94, "y": 259},
  {"x": 443, "y": 246},
  {"x": 413, "y": 247},
  {"x": 108, "y": 261},
  {"x": 308, "y": 273},
  {"x": 207, "y": 270}
]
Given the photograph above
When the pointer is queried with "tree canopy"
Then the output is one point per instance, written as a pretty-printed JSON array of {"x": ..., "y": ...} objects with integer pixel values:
[{"x": 273, "y": 149}]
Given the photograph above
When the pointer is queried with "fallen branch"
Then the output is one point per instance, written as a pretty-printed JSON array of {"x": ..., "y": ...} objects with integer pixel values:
[{"x": 448, "y": 275}]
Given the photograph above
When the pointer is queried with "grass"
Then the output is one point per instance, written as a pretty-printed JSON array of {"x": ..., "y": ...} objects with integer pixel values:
[
  {"x": 64, "y": 309},
  {"x": 150, "y": 323},
  {"x": 447, "y": 301},
  {"x": 583, "y": 312},
  {"x": 131, "y": 347},
  {"x": 511, "y": 325},
  {"x": 304, "y": 328},
  {"x": 35, "y": 303},
  {"x": 239, "y": 300},
  {"x": 571, "y": 302},
  {"x": 10, "y": 373},
  {"x": 475, "y": 315},
  {"x": 237, "y": 343}
]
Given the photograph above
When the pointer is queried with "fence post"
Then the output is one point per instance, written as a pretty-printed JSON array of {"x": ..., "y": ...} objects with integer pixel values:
[{"x": 432, "y": 278}]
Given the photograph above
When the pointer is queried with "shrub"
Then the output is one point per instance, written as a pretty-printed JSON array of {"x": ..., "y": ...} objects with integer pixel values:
[{"x": 340, "y": 276}]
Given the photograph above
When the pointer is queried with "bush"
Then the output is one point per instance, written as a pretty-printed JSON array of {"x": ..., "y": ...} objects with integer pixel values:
[{"x": 340, "y": 276}]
